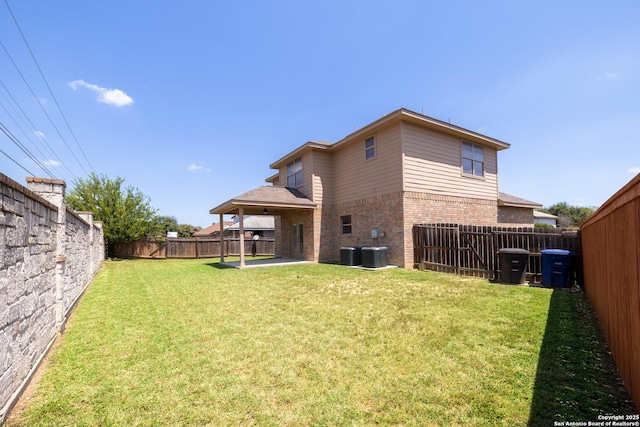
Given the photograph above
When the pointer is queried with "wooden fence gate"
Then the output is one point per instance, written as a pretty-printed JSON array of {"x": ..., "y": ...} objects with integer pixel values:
[{"x": 472, "y": 250}]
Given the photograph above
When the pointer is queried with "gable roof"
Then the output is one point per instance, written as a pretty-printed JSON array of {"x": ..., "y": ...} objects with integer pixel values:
[
  {"x": 508, "y": 200},
  {"x": 397, "y": 116},
  {"x": 543, "y": 215},
  {"x": 214, "y": 228},
  {"x": 273, "y": 199}
]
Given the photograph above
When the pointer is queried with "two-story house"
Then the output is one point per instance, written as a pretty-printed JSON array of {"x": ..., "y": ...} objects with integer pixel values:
[{"x": 371, "y": 187}]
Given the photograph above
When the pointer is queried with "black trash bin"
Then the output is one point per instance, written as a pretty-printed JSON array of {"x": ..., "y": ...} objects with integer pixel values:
[
  {"x": 350, "y": 256},
  {"x": 374, "y": 257},
  {"x": 556, "y": 265},
  {"x": 513, "y": 265}
]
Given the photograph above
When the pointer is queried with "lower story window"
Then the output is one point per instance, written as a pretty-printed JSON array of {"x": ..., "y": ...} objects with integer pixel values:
[{"x": 345, "y": 224}]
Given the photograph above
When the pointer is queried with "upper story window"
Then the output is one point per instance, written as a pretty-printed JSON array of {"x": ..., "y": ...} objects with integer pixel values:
[
  {"x": 472, "y": 159},
  {"x": 369, "y": 148},
  {"x": 294, "y": 173}
]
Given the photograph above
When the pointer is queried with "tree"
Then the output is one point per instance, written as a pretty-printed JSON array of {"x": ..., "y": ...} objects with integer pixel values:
[
  {"x": 570, "y": 216},
  {"x": 164, "y": 224},
  {"x": 125, "y": 213},
  {"x": 187, "y": 230}
]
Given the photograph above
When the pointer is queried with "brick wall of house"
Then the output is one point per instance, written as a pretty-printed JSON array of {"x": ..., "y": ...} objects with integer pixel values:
[
  {"x": 284, "y": 234},
  {"x": 516, "y": 217},
  {"x": 432, "y": 208},
  {"x": 326, "y": 237},
  {"x": 382, "y": 213},
  {"x": 393, "y": 216}
]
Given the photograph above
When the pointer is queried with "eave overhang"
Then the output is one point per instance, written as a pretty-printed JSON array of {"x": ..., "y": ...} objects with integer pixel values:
[{"x": 265, "y": 200}]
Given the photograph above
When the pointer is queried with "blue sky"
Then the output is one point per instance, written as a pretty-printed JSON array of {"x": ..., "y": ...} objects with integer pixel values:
[{"x": 191, "y": 101}]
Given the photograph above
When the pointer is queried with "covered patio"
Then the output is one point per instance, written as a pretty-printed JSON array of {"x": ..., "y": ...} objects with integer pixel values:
[{"x": 264, "y": 200}]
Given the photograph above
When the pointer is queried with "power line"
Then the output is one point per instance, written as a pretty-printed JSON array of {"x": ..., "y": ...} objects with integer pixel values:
[
  {"x": 55, "y": 100},
  {"x": 36, "y": 129},
  {"x": 21, "y": 128},
  {"x": 14, "y": 161},
  {"x": 42, "y": 107},
  {"x": 24, "y": 149}
]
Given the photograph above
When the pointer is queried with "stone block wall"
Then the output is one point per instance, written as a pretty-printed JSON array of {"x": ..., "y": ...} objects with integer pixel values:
[{"x": 48, "y": 256}]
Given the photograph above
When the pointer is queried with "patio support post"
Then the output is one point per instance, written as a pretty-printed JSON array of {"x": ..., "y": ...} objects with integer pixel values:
[
  {"x": 241, "y": 224},
  {"x": 221, "y": 238}
]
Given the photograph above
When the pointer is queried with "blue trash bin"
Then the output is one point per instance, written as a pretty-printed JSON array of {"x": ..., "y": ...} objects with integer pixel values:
[{"x": 556, "y": 267}]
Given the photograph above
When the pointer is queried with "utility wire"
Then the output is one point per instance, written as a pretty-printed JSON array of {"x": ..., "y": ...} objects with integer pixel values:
[
  {"x": 24, "y": 149},
  {"x": 42, "y": 108},
  {"x": 22, "y": 129},
  {"x": 14, "y": 161},
  {"x": 48, "y": 87},
  {"x": 36, "y": 129}
]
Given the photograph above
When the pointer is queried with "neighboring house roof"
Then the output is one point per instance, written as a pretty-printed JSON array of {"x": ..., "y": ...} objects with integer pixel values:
[
  {"x": 543, "y": 215},
  {"x": 508, "y": 200},
  {"x": 255, "y": 222},
  {"x": 272, "y": 199},
  {"x": 214, "y": 228},
  {"x": 396, "y": 116}
]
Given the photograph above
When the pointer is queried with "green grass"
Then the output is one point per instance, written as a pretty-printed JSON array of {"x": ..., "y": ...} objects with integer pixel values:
[{"x": 184, "y": 342}]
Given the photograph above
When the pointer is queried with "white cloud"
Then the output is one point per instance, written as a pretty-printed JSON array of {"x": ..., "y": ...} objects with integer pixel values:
[
  {"x": 635, "y": 170},
  {"x": 51, "y": 163},
  {"x": 114, "y": 97},
  {"x": 39, "y": 134},
  {"x": 194, "y": 167},
  {"x": 611, "y": 74}
]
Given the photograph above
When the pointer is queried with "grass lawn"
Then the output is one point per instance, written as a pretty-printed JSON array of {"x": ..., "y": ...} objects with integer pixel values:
[{"x": 184, "y": 342}]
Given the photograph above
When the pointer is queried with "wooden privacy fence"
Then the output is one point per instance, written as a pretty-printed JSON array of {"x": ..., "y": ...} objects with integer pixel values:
[
  {"x": 611, "y": 248},
  {"x": 188, "y": 248},
  {"x": 474, "y": 250}
]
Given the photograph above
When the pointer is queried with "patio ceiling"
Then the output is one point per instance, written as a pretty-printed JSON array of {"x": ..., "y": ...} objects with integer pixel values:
[{"x": 274, "y": 199}]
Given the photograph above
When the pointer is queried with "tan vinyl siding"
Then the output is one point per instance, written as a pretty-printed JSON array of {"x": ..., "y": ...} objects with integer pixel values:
[
  {"x": 432, "y": 164},
  {"x": 307, "y": 175},
  {"x": 322, "y": 177},
  {"x": 357, "y": 178}
]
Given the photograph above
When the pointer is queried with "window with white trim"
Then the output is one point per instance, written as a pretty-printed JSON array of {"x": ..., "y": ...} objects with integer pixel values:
[
  {"x": 472, "y": 159},
  {"x": 369, "y": 148},
  {"x": 294, "y": 173}
]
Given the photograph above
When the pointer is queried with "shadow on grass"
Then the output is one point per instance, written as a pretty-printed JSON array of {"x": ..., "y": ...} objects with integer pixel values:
[
  {"x": 218, "y": 265},
  {"x": 576, "y": 379}
]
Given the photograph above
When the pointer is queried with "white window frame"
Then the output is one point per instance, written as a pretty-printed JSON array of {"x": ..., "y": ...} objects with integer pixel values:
[
  {"x": 474, "y": 158},
  {"x": 294, "y": 173},
  {"x": 370, "y": 148}
]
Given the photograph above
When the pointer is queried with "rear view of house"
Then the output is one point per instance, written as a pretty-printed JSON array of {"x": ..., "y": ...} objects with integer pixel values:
[{"x": 371, "y": 187}]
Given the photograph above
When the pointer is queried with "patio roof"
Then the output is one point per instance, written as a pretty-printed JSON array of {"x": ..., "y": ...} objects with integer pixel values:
[{"x": 273, "y": 199}]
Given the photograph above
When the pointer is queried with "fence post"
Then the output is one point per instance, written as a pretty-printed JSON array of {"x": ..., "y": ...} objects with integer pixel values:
[{"x": 457, "y": 229}]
